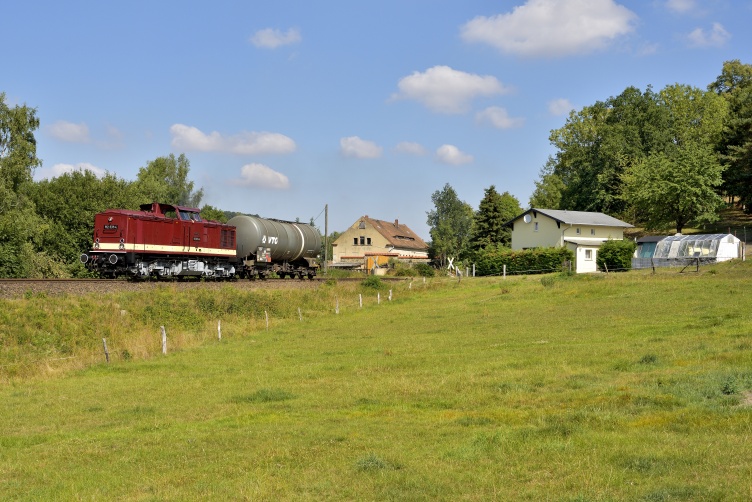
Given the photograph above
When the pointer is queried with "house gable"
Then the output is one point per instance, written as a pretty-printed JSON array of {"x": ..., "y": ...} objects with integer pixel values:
[{"x": 372, "y": 237}]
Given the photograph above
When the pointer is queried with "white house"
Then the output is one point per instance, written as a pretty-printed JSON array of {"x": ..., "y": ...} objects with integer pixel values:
[{"x": 580, "y": 231}]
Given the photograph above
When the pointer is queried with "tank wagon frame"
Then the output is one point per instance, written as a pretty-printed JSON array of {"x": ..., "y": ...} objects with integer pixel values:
[{"x": 170, "y": 241}]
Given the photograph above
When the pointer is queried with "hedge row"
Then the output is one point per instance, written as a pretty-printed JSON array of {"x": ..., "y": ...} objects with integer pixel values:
[{"x": 491, "y": 261}]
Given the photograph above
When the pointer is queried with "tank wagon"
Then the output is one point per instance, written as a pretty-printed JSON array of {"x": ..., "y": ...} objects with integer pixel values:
[{"x": 169, "y": 241}]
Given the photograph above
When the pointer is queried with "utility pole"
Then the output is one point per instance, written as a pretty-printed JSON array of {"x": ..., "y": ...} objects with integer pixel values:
[{"x": 326, "y": 238}]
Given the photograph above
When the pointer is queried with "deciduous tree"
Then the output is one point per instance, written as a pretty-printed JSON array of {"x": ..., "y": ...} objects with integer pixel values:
[{"x": 451, "y": 224}]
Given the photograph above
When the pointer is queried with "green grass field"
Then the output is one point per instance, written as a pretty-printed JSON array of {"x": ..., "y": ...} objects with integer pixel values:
[{"x": 627, "y": 386}]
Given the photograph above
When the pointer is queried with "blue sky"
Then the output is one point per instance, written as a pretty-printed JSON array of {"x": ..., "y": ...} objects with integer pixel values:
[{"x": 369, "y": 107}]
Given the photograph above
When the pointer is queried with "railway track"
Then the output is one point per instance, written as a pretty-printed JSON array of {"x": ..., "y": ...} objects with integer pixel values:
[{"x": 15, "y": 288}]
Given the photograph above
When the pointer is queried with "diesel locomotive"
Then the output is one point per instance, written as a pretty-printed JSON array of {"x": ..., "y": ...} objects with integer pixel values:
[{"x": 169, "y": 241}]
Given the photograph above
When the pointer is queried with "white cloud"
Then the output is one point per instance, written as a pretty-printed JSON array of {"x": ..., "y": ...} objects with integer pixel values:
[
  {"x": 445, "y": 90},
  {"x": 70, "y": 132},
  {"x": 450, "y": 154},
  {"x": 552, "y": 27},
  {"x": 498, "y": 117},
  {"x": 559, "y": 107},
  {"x": 261, "y": 176},
  {"x": 681, "y": 6},
  {"x": 60, "y": 169},
  {"x": 271, "y": 38},
  {"x": 717, "y": 37},
  {"x": 246, "y": 143},
  {"x": 410, "y": 148},
  {"x": 353, "y": 146}
]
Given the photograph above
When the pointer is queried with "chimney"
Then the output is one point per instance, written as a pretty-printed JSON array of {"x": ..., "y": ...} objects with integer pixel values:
[{"x": 396, "y": 222}]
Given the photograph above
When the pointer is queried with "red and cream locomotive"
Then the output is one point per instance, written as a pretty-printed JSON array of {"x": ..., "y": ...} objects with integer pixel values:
[{"x": 169, "y": 241}]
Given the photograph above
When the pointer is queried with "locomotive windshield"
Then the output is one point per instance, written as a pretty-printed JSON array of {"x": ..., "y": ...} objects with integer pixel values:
[{"x": 189, "y": 215}]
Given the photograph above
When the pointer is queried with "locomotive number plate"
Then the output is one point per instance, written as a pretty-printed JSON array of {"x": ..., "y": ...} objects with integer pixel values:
[{"x": 111, "y": 227}]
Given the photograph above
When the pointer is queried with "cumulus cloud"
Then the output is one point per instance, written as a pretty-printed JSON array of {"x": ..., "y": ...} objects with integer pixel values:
[
  {"x": 558, "y": 107},
  {"x": 681, "y": 6},
  {"x": 450, "y": 154},
  {"x": 70, "y": 132},
  {"x": 60, "y": 169},
  {"x": 498, "y": 117},
  {"x": 445, "y": 90},
  {"x": 552, "y": 28},
  {"x": 271, "y": 38},
  {"x": 260, "y": 176},
  {"x": 353, "y": 146},
  {"x": 717, "y": 37},
  {"x": 246, "y": 143},
  {"x": 410, "y": 148}
]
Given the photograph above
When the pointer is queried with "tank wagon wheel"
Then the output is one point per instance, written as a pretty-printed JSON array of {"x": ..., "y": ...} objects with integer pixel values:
[{"x": 310, "y": 276}]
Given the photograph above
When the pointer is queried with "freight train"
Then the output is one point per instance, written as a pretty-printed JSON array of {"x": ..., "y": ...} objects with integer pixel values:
[{"x": 169, "y": 241}]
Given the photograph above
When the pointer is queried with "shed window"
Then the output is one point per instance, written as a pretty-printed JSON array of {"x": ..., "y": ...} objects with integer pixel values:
[
  {"x": 536, "y": 227},
  {"x": 589, "y": 254},
  {"x": 592, "y": 231},
  {"x": 578, "y": 231}
]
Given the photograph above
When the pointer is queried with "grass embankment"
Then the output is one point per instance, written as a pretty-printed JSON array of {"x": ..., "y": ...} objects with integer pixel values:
[{"x": 620, "y": 387}]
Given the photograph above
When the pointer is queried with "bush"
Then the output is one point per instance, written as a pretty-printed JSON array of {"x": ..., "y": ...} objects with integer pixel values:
[
  {"x": 424, "y": 269},
  {"x": 614, "y": 256}
]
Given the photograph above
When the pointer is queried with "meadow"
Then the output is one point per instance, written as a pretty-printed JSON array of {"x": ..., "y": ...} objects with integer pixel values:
[{"x": 630, "y": 386}]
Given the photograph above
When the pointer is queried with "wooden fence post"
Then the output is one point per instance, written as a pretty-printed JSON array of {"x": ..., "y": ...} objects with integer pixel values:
[
  {"x": 106, "y": 352},
  {"x": 219, "y": 329},
  {"x": 360, "y": 300},
  {"x": 164, "y": 340},
  {"x": 266, "y": 314}
]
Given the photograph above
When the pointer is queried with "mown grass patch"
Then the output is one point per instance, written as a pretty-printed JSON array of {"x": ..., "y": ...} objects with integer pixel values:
[{"x": 626, "y": 387}]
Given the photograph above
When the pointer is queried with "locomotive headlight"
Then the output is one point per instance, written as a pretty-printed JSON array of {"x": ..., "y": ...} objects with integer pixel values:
[
  {"x": 96, "y": 245},
  {"x": 122, "y": 246}
]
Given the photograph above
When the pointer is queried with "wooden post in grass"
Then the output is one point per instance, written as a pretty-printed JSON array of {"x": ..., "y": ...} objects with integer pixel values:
[
  {"x": 360, "y": 300},
  {"x": 266, "y": 314},
  {"x": 106, "y": 352},
  {"x": 504, "y": 271},
  {"x": 378, "y": 298},
  {"x": 410, "y": 286},
  {"x": 390, "y": 295},
  {"x": 300, "y": 315},
  {"x": 164, "y": 340},
  {"x": 219, "y": 329},
  {"x": 336, "y": 305}
]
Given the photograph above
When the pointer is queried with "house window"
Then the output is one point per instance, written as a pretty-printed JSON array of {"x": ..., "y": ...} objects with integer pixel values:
[
  {"x": 355, "y": 241},
  {"x": 362, "y": 225},
  {"x": 592, "y": 231},
  {"x": 368, "y": 241},
  {"x": 362, "y": 240},
  {"x": 578, "y": 231},
  {"x": 589, "y": 254},
  {"x": 536, "y": 227}
]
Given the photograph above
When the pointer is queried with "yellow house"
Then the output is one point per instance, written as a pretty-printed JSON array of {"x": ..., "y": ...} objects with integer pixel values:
[
  {"x": 580, "y": 231},
  {"x": 372, "y": 242}
]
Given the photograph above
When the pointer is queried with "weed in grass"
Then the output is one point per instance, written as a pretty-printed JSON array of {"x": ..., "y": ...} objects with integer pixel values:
[
  {"x": 648, "y": 359},
  {"x": 371, "y": 462},
  {"x": 265, "y": 396},
  {"x": 470, "y": 421}
]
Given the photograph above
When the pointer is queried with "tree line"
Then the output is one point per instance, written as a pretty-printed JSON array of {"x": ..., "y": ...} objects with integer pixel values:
[
  {"x": 656, "y": 159},
  {"x": 659, "y": 160}
]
